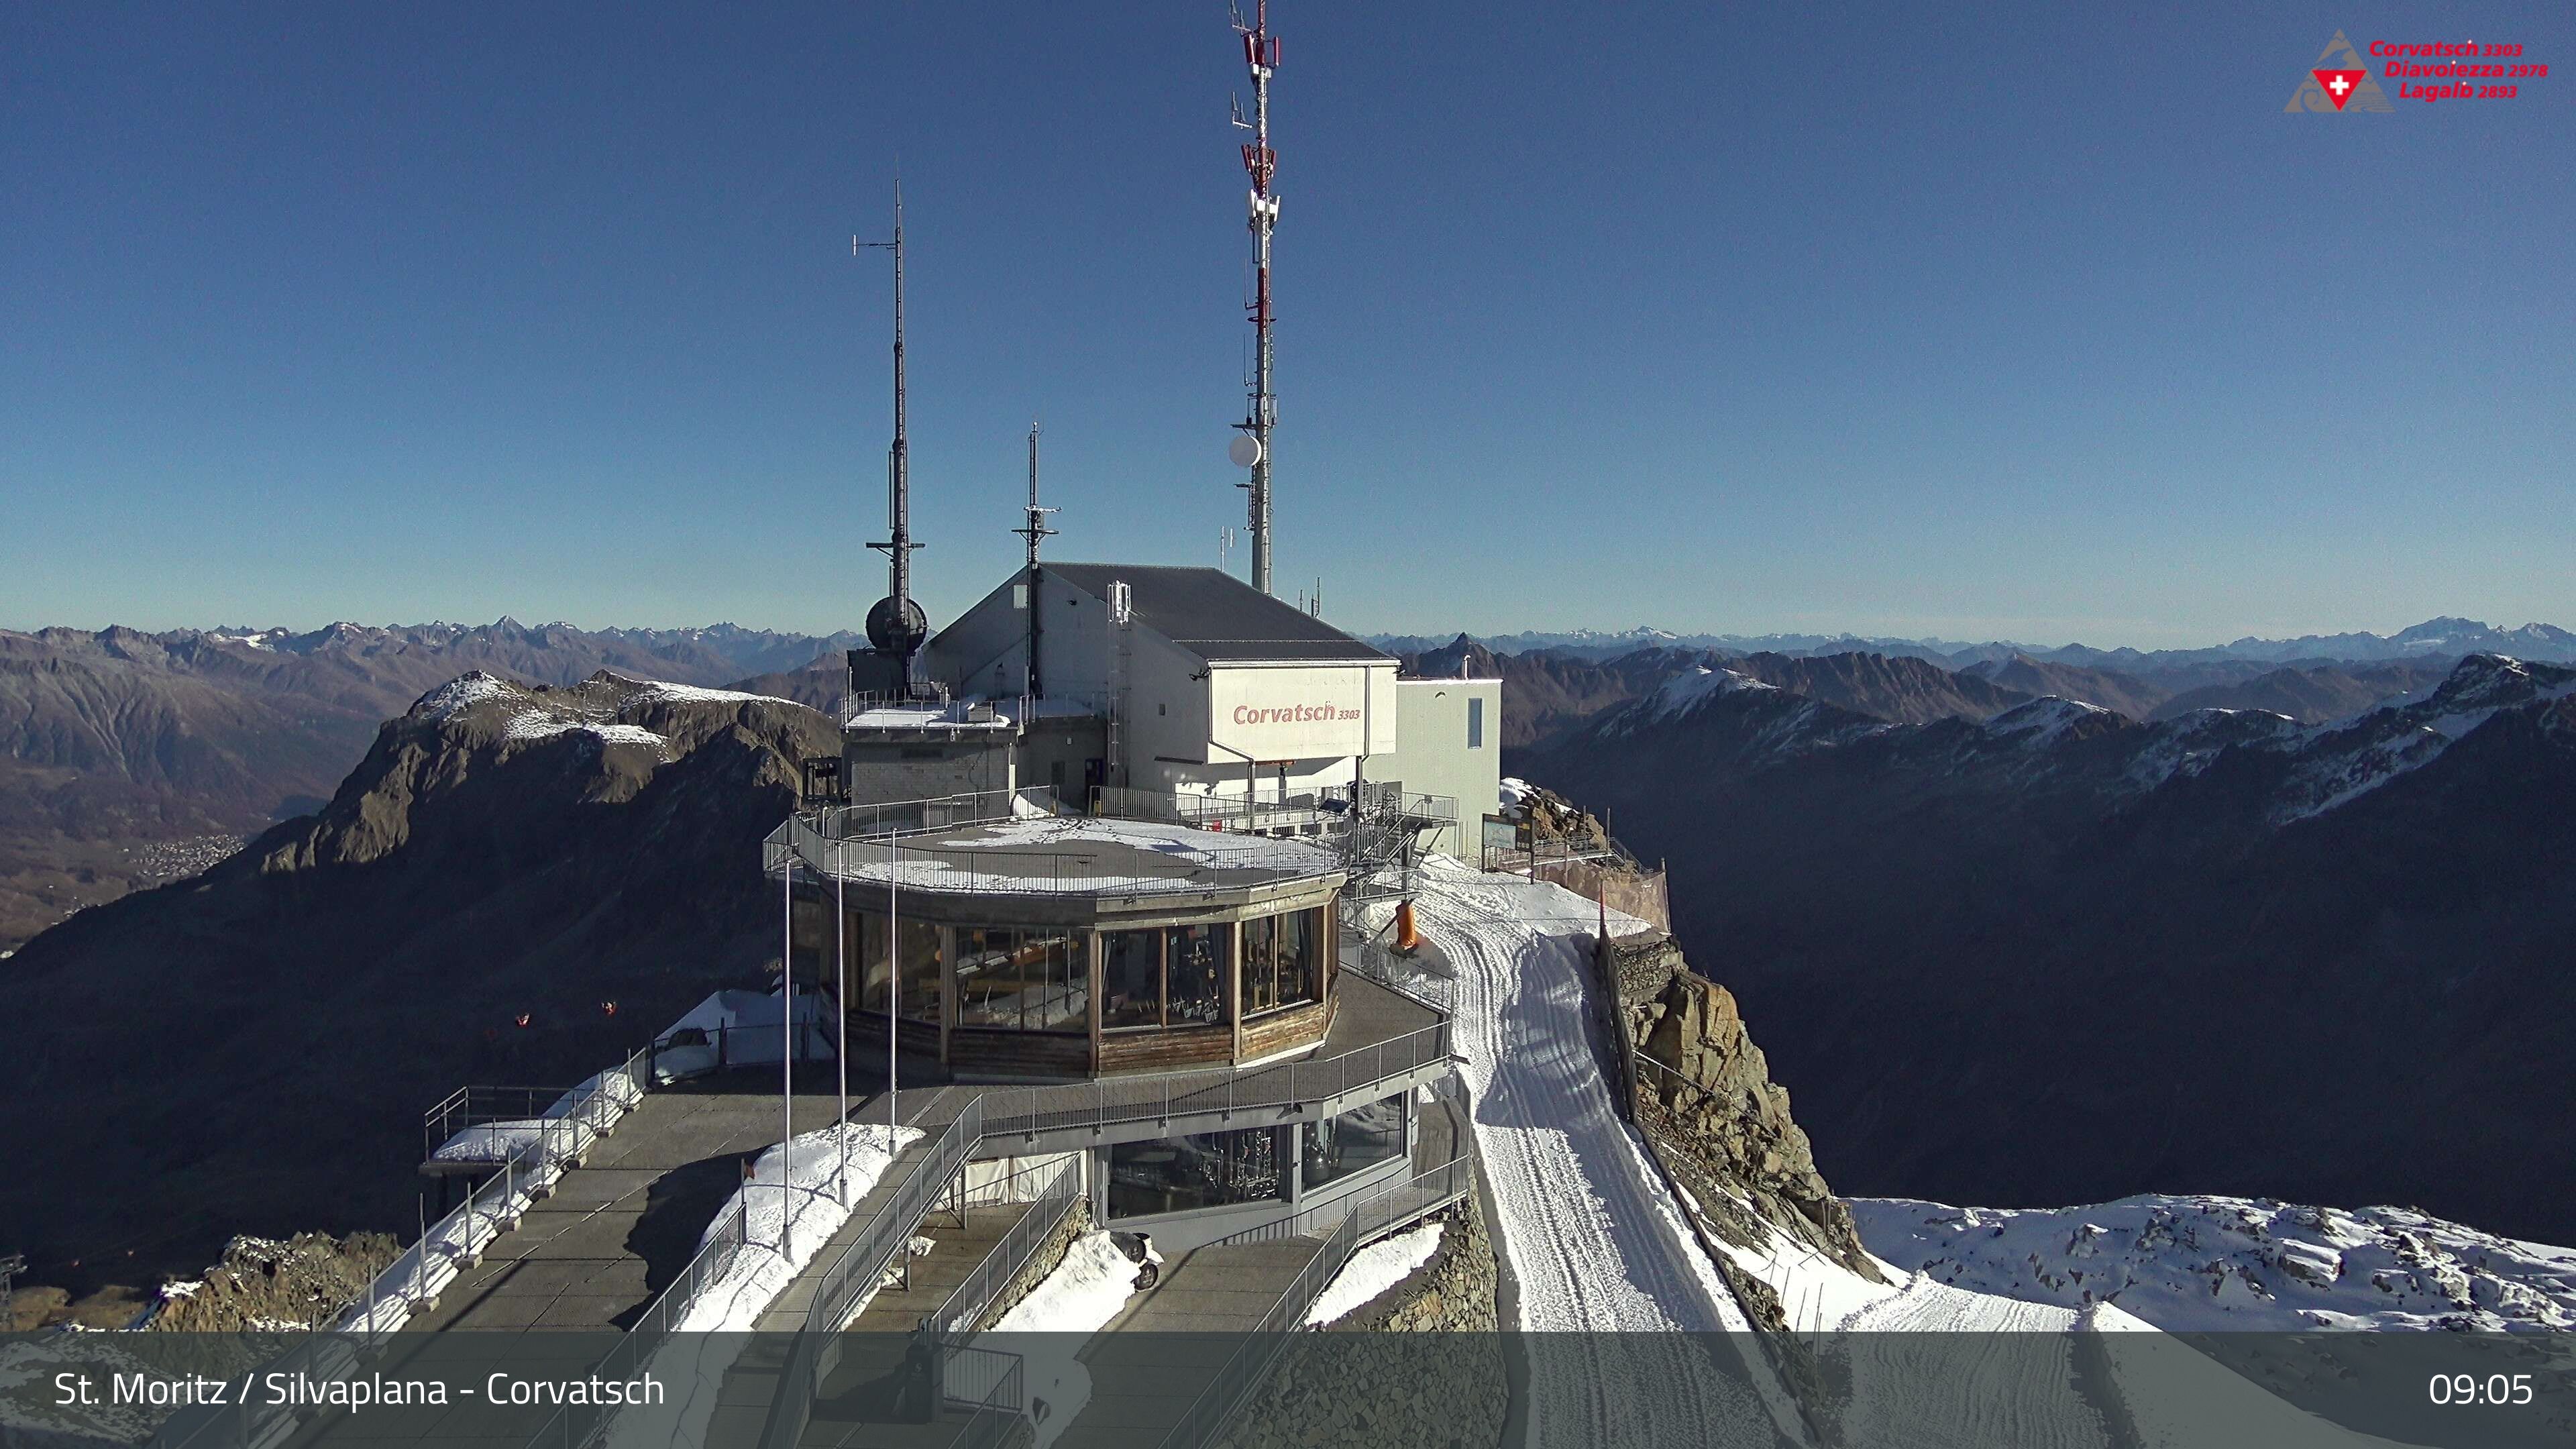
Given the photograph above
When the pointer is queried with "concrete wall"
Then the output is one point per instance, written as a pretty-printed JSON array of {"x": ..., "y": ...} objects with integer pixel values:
[
  {"x": 1433, "y": 757},
  {"x": 884, "y": 768}
]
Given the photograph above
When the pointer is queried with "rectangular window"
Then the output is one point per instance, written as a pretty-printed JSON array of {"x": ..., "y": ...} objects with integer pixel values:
[
  {"x": 917, "y": 964},
  {"x": 1475, "y": 724},
  {"x": 1210, "y": 1169},
  {"x": 1131, "y": 978},
  {"x": 1023, "y": 980},
  {"x": 1283, "y": 960},
  {"x": 1260, "y": 964},
  {"x": 1361, "y": 1137},
  {"x": 1194, "y": 973}
]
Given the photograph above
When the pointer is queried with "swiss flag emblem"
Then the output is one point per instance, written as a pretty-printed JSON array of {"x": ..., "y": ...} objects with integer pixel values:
[{"x": 2339, "y": 84}]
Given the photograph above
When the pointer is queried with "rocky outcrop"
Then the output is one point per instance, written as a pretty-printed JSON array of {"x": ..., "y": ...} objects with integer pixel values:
[
  {"x": 262, "y": 1285},
  {"x": 1704, "y": 1096}
]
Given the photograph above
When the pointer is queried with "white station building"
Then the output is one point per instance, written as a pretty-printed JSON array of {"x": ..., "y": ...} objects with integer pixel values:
[{"x": 1181, "y": 683}]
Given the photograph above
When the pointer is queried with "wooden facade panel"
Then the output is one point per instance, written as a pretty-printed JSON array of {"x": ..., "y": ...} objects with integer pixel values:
[
  {"x": 982, "y": 1050},
  {"x": 1285, "y": 1030},
  {"x": 913, "y": 1038},
  {"x": 1166, "y": 1050}
]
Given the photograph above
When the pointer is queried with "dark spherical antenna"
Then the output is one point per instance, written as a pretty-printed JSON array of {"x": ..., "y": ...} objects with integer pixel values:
[{"x": 898, "y": 626}]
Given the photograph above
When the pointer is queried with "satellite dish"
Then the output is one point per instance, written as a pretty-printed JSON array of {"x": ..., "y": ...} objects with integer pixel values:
[{"x": 1245, "y": 450}]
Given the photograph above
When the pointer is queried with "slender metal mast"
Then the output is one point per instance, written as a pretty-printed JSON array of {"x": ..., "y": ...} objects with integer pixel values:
[
  {"x": 897, "y": 626},
  {"x": 1261, "y": 57},
  {"x": 1034, "y": 530}
]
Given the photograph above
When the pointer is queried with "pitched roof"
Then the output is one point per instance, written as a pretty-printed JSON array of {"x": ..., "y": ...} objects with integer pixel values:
[{"x": 1217, "y": 616}]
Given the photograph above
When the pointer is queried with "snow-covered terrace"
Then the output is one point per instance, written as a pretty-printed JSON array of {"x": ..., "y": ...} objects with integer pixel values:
[{"x": 1052, "y": 855}]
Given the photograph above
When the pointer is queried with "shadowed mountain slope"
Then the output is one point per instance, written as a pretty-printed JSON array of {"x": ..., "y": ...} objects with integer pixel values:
[{"x": 250, "y": 1050}]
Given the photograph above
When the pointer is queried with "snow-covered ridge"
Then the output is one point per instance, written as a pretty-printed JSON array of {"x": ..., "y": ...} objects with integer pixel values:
[
  {"x": 2046, "y": 720},
  {"x": 2190, "y": 1264},
  {"x": 543, "y": 714},
  {"x": 1684, "y": 691},
  {"x": 533, "y": 716}
]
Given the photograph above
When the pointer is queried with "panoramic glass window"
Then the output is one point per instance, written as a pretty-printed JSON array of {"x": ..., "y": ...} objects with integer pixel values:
[
  {"x": 917, "y": 963},
  {"x": 1283, "y": 963},
  {"x": 1194, "y": 975},
  {"x": 1209, "y": 1169},
  {"x": 1361, "y": 1137},
  {"x": 1131, "y": 978},
  {"x": 1024, "y": 980}
]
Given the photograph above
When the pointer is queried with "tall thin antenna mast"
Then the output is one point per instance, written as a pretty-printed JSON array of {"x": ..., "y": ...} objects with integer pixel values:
[
  {"x": 897, "y": 626},
  {"x": 1261, "y": 57},
  {"x": 1034, "y": 530}
]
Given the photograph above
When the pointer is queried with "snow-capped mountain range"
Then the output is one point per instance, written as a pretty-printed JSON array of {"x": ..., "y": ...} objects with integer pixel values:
[
  {"x": 2323, "y": 766},
  {"x": 2433, "y": 638}
]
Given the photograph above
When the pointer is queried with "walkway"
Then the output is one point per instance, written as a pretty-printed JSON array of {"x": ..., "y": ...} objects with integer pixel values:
[{"x": 618, "y": 1230}]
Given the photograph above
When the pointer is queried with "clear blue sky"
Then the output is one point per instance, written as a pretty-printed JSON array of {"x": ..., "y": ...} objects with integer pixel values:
[{"x": 2038, "y": 322}]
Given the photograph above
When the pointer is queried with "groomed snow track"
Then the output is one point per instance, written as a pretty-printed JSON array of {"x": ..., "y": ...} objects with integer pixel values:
[{"x": 1627, "y": 1321}]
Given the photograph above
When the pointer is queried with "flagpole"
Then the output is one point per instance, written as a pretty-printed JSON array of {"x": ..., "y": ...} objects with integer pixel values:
[
  {"x": 787, "y": 1043},
  {"x": 894, "y": 989},
  {"x": 841, "y": 1000}
]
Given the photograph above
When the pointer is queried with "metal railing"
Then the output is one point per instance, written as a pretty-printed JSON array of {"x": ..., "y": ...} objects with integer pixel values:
[
  {"x": 1363, "y": 1221},
  {"x": 895, "y": 818},
  {"x": 491, "y": 1208},
  {"x": 1056, "y": 1186},
  {"x": 1381, "y": 1209},
  {"x": 1037, "y": 869},
  {"x": 728, "y": 1239},
  {"x": 857, "y": 1272},
  {"x": 1028, "y": 1112},
  {"x": 1378, "y": 962}
]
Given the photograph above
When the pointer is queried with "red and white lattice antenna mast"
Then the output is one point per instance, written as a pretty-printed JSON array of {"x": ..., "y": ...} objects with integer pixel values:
[{"x": 1261, "y": 57}]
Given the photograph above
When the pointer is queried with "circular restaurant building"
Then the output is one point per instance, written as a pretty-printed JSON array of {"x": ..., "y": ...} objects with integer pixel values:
[{"x": 1048, "y": 947}]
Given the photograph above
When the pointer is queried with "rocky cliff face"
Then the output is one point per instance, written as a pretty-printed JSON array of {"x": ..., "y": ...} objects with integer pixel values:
[
  {"x": 518, "y": 883},
  {"x": 1704, "y": 1095}
]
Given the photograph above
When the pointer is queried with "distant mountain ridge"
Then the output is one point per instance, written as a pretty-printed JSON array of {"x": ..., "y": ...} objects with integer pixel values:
[
  {"x": 2443, "y": 637},
  {"x": 2061, "y": 955},
  {"x": 116, "y": 740}
]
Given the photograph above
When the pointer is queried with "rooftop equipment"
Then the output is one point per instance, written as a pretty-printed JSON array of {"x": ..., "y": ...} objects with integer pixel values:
[
  {"x": 897, "y": 626},
  {"x": 1252, "y": 450}
]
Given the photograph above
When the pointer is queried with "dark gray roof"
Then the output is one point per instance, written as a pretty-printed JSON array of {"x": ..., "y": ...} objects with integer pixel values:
[{"x": 1217, "y": 616}]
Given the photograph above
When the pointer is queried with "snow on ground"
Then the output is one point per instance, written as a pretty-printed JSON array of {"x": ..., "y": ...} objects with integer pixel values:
[
  {"x": 2221, "y": 1263},
  {"x": 736, "y": 1299},
  {"x": 1675, "y": 696},
  {"x": 1373, "y": 1270},
  {"x": 1053, "y": 1324},
  {"x": 1599, "y": 1254},
  {"x": 538, "y": 725},
  {"x": 691, "y": 694},
  {"x": 499, "y": 1141},
  {"x": 463, "y": 693}
]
